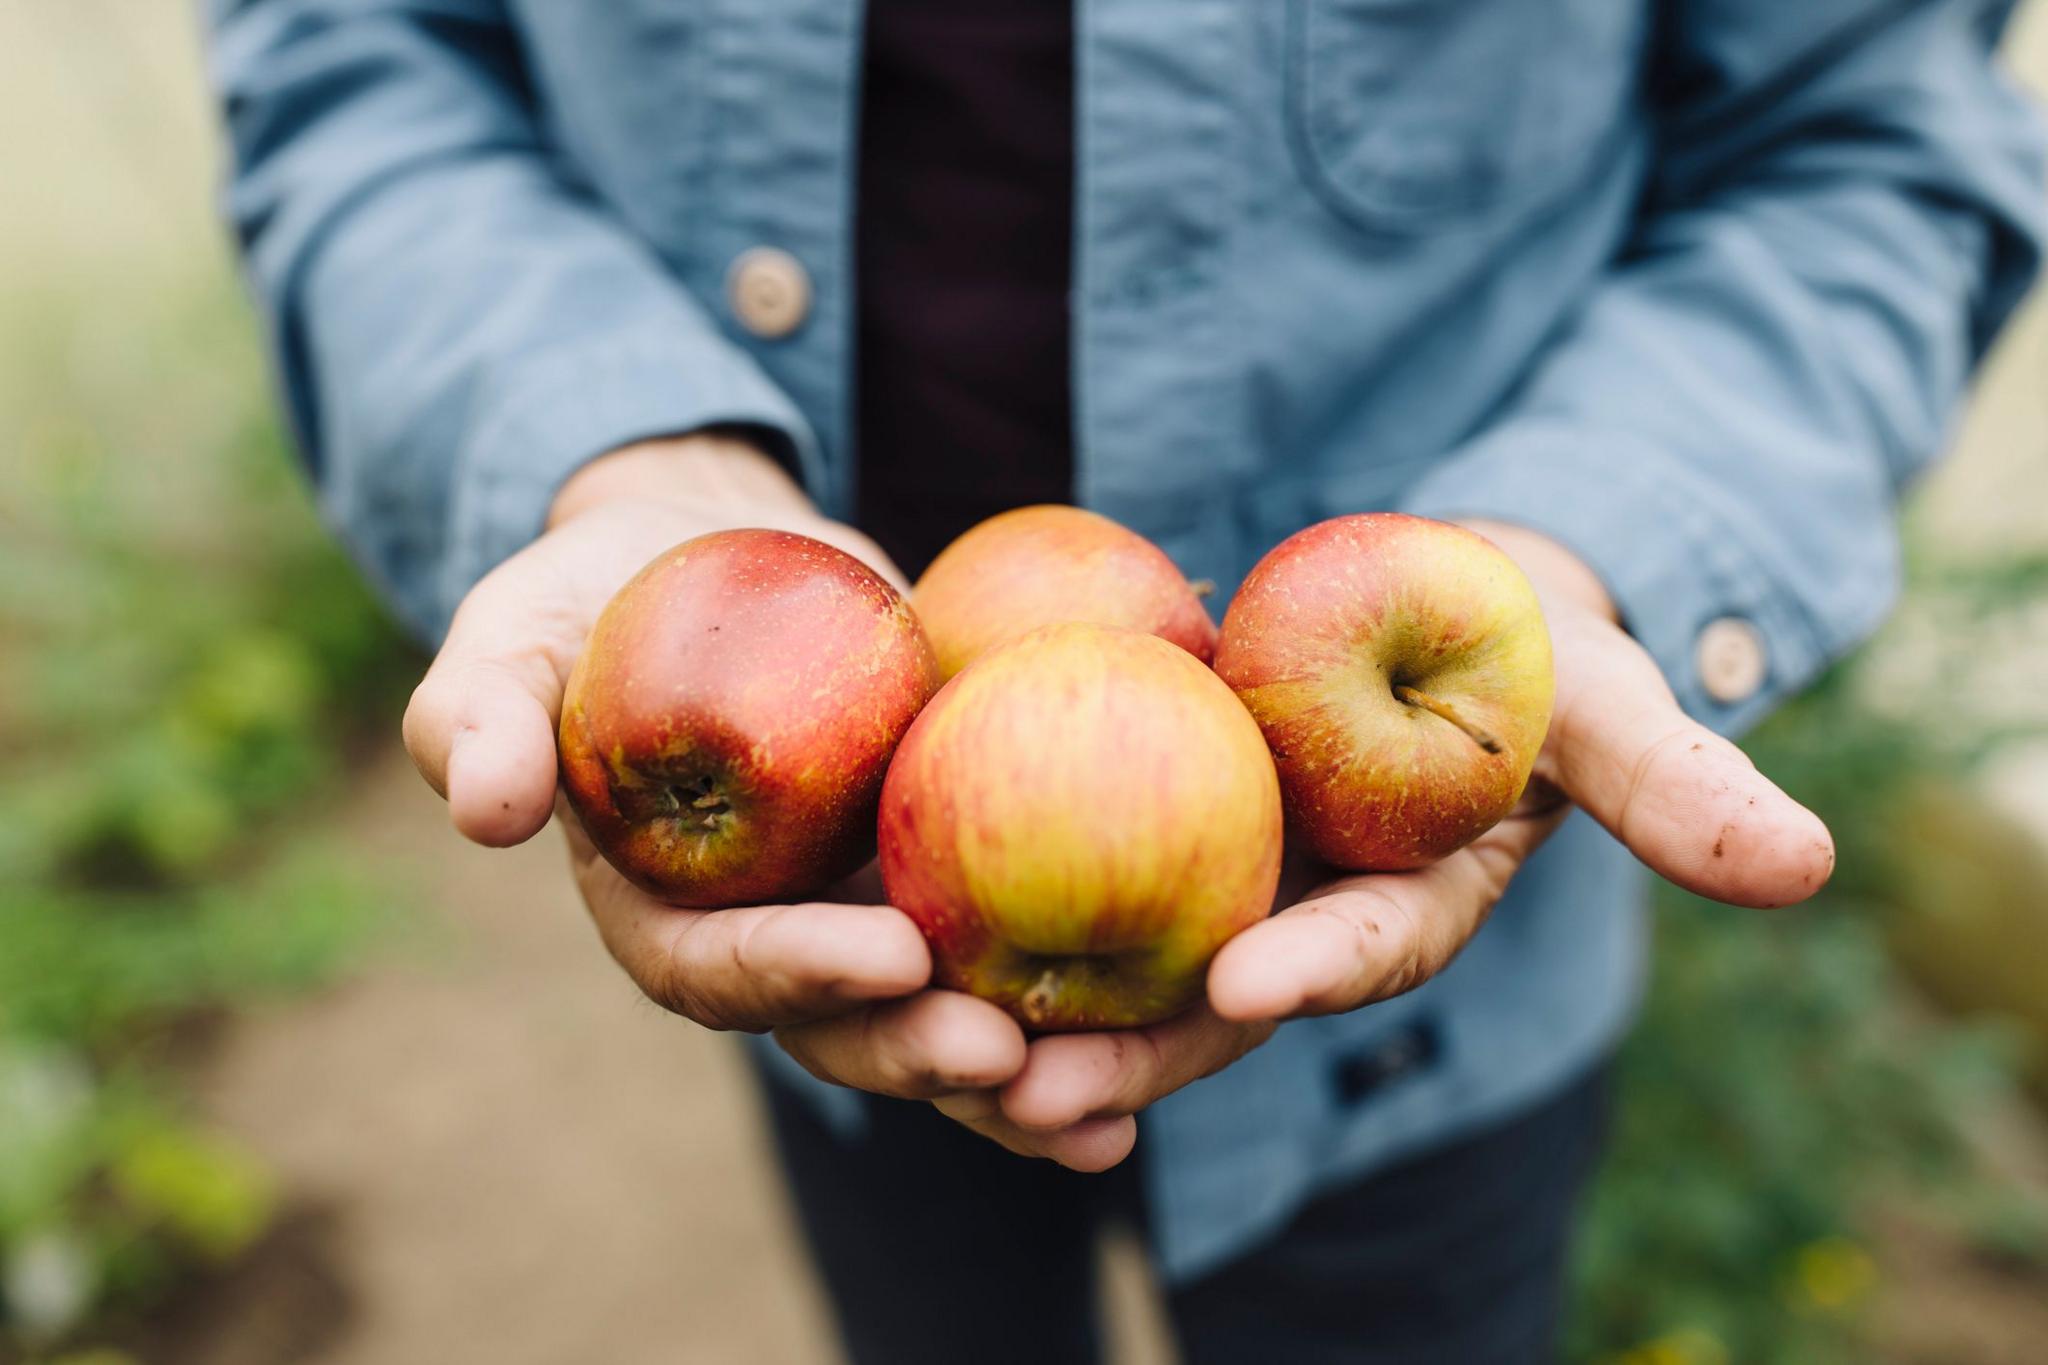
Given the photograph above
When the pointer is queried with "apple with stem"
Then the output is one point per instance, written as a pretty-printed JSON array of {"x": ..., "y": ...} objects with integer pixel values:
[{"x": 1400, "y": 669}]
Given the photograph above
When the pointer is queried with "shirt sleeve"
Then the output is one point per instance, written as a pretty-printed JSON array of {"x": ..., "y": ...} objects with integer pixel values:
[
  {"x": 1845, "y": 205},
  {"x": 458, "y": 324}
]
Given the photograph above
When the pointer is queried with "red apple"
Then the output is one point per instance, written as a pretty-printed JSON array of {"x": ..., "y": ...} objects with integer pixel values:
[
  {"x": 726, "y": 731},
  {"x": 1035, "y": 566},
  {"x": 1400, "y": 670},
  {"x": 1078, "y": 821}
]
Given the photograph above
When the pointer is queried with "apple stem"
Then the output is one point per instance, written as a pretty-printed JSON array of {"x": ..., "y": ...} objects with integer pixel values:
[
  {"x": 1202, "y": 587},
  {"x": 1417, "y": 697}
]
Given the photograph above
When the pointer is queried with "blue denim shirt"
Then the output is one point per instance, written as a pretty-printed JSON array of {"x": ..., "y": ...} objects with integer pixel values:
[{"x": 1692, "y": 287}]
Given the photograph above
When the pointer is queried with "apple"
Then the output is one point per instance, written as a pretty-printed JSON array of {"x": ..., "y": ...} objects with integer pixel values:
[
  {"x": 1400, "y": 669},
  {"x": 726, "y": 730},
  {"x": 1077, "y": 822},
  {"x": 1034, "y": 566}
]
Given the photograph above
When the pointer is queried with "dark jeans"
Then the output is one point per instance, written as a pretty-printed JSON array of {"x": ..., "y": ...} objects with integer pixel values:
[{"x": 938, "y": 1246}]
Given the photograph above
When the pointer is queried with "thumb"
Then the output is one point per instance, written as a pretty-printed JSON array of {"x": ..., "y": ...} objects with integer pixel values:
[
  {"x": 481, "y": 725},
  {"x": 1685, "y": 801}
]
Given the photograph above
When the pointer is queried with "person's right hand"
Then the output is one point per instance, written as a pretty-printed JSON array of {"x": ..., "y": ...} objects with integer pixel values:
[{"x": 481, "y": 727}]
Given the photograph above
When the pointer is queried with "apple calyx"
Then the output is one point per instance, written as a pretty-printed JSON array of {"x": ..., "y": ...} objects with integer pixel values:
[
  {"x": 1415, "y": 696},
  {"x": 1037, "y": 1003},
  {"x": 1068, "y": 989},
  {"x": 695, "y": 805},
  {"x": 699, "y": 806}
]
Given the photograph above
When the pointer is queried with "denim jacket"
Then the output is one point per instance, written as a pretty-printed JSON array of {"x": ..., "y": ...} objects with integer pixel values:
[{"x": 1690, "y": 285}]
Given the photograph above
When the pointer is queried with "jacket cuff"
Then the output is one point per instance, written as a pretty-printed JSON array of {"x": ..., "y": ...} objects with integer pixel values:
[
  {"x": 547, "y": 414},
  {"x": 1670, "y": 547}
]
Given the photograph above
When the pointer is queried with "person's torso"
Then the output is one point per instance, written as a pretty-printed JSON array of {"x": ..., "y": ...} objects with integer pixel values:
[{"x": 1315, "y": 245}]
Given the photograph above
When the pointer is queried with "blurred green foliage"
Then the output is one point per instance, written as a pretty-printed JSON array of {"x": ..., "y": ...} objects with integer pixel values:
[
  {"x": 186, "y": 662},
  {"x": 1782, "y": 1087}
]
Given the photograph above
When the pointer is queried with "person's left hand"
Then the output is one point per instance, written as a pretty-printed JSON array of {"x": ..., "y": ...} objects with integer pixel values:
[{"x": 1685, "y": 801}]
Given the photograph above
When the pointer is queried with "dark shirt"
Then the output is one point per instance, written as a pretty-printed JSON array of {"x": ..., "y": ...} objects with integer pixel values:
[{"x": 965, "y": 240}]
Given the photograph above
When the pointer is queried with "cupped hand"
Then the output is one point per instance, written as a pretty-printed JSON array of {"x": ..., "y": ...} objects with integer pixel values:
[
  {"x": 481, "y": 728},
  {"x": 1688, "y": 803}
]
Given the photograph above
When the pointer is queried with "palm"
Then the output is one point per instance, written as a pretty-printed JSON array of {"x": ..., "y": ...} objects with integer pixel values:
[{"x": 481, "y": 727}]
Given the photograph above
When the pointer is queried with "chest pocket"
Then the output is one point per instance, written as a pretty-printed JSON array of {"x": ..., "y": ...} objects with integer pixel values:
[{"x": 1407, "y": 113}]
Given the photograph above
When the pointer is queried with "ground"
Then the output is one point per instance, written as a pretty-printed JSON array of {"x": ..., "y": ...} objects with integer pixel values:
[{"x": 513, "y": 1157}]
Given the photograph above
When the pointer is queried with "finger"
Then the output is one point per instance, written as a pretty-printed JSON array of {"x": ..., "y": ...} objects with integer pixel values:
[
  {"x": 1089, "y": 1146},
  {"x": 1687, "y": 802},
  {"x": 934, "y": 1043},
  {"x": 1373, "y": 937},
  {"x": 764, "y": 965},
  {"x": 1070, "y": 1077},
  {"x": 755, "y": 967},
  {"x": 481, "y": 725}
]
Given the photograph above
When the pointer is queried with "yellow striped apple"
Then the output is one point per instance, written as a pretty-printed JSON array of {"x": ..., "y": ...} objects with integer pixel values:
[
  {"x": 726, "y": 730},
  {"x": 1077, "y": 822},
  {"x": 1035, "y": 566},
  {"x": 1400, "y": 669}
]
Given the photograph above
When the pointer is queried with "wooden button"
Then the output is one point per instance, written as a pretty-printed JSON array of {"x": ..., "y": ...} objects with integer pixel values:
[
  {"x": 1731, "y": 659},
  {"x": 769, "y": 291}
]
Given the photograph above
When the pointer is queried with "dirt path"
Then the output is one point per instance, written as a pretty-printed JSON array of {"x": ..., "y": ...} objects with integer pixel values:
[{"x": 524, "y": 1162}]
